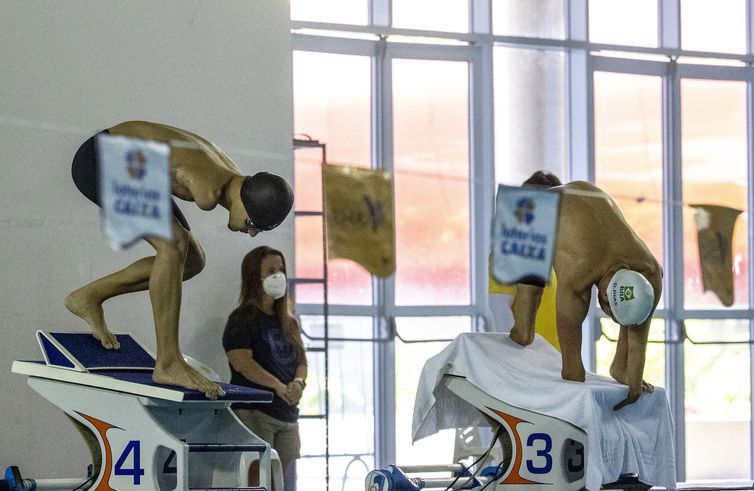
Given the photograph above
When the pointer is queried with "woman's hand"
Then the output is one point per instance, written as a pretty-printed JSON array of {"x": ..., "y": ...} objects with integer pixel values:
[
  {"x": 282, "y": 391},
  {"x": 295, "y": 389}
]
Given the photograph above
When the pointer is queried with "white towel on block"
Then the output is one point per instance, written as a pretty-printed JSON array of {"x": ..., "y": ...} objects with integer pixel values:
[{"x": 636, "y": 439}]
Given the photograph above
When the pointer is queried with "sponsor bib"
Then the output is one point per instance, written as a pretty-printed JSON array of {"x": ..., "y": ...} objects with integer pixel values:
[
  {"x": 523, "y": 235},
  {"x": 134, "y": 189}
]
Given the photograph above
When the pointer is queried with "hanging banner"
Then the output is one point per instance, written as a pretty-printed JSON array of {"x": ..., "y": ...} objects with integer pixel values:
[
  {"x": 134, "y": 189},
  {"x": 714, "y": 227},
  {"x": 523, "y": 235},
  {"x": 359, "y": 216}
]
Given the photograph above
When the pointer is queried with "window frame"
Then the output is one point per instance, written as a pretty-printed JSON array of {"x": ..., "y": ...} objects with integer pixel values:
[{"x": 583, "y": 59}]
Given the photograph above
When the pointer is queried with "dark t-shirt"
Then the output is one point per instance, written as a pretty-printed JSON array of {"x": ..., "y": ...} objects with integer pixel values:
[{"x": 249, "y": 328}]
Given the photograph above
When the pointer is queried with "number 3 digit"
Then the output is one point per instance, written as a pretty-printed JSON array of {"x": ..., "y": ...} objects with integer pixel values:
[{"x": 545, "y": 453}]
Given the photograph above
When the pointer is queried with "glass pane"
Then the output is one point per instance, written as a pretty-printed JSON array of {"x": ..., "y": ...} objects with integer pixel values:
[
  {"x": 530, "y": 118},
  {"x": 718, "y": 401},
  {"x": 309, "y": 261},
  {"x": 654, "y": 364},
  {"x": 335, "y": 111},
  {"x": 310, "y": 468},
  {"x": 351, "y": 393},
  {"x": 431, "y": 160},
  {"x": 713, "y": 26},
  {"x": 713, "y": 126},
  {"x": 529, "y": 18},
  {"x": 347, "y": 473},
  {"x": 432, "y": 15},
  {"x": 625, "y": 22},
  {"x": 333, "y": 11},
  {"x": 348, "y": 283},
  {"x": 409, "y": 361},
  {"x": 628, "y": 150},
  {"x": 308, "y": 179}
]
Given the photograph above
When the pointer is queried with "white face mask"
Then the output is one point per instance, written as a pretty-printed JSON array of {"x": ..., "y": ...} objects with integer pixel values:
[{"x": 275, "y": 285}]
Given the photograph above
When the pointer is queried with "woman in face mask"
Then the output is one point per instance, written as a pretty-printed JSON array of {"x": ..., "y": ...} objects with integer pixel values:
[{"x": 263, "y": 344}]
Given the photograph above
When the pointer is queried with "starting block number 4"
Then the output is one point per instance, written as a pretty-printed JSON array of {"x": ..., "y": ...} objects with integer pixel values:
[
  {"x": 133, "y": 448},
  {"x": 128, "y": 469}
]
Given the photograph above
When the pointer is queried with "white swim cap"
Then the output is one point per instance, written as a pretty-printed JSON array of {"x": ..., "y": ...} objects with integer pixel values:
[{"x": 630, "y": 296}]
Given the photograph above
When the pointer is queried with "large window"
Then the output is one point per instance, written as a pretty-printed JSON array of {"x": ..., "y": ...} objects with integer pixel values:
[
  {"x": 650, "y": 100},
  {"x": 407, "y": 110},
  {"x": 669, "y": 135}
]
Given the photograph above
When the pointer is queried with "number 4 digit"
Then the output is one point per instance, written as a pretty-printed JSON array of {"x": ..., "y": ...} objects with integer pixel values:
[{"x": 136, "y": 471}]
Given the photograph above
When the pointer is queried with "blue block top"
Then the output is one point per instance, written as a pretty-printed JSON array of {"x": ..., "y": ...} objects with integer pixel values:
[
  {"x": 90, "y": 353},
  {"x": 232, "y": 392}
]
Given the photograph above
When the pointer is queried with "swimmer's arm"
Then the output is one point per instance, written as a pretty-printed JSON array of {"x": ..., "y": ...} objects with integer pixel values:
[
  {"x": 242, "y": 361},
  {"x": 636, "y": 337},
  {"x": 635, "y": 350}
]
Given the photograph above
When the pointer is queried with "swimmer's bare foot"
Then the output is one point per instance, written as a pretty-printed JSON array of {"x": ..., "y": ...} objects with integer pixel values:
[
  {"x": 524, "y": 337},
  {"x": 90, "y": 310},
  {"x": 178, "y": 372},
  {"x": 574, "y": 373}
]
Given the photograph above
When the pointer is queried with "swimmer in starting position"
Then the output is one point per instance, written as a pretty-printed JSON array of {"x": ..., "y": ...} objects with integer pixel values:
[{"x": 199, "y": 172}]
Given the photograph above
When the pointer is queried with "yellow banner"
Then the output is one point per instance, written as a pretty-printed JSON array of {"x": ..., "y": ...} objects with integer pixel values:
[
  {"x": 545, "y": 324},
  {"x": 359, "y": 217},
  {"x": 714, "y": 226}
]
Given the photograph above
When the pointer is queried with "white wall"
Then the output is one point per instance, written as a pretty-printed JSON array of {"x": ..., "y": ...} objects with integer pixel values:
[{"x": 69, "y": 69}]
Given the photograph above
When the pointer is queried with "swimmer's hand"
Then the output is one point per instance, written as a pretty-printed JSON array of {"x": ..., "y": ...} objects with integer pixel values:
[{"x": 633, "y": 395}]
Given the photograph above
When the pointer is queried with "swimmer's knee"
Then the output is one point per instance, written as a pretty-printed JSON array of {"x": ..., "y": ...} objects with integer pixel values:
[{"x": 177, "y": 246}]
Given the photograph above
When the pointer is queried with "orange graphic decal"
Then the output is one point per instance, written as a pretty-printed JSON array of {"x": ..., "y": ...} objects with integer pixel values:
[
  {"x": 514, "y": 477},
  {"x": 107, "y": 465}
]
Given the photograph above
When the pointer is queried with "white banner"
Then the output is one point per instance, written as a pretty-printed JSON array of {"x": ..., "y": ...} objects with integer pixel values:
[
  {"x": 523, "y": 235},
  {"x": 134, "y": 189}
]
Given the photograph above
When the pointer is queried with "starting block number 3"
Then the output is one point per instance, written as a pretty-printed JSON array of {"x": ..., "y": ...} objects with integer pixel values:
[
  {"x": 536, "y": 456},
  {"x": 542, "y": 454}
]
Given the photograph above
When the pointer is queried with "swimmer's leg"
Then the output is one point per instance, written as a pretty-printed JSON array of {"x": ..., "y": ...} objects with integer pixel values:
[
  {"x": 570, "y": 311},
  {"x": 86, "y": 302}
]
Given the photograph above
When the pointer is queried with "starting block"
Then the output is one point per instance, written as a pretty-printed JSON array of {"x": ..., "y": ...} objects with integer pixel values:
[
  {"x": 541, "y": 452},
  {"x": 144, "y": 435},
  {"x": 554, "y": 434}
]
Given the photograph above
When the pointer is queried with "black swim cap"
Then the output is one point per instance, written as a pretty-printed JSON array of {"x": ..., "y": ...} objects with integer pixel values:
[{"x": 267, "y": 198}]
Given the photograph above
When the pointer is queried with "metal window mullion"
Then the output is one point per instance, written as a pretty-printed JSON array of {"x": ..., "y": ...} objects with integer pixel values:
[
  {"x": 750, "y": 234},
  {"x": 580, "y": 92},
  {"x": 434, "y": 311},
  {"x": 713, "y": 314},
  {"x": 580, "y": 127},
  {"x": 669, "y": 18},
  {"x": 380, "y": 13},
  {"x": 577, "y": 17},
  {"x": 480, "y": 18},
  {"x": 580, "y": 117},
  {"x": 312, "y": 309},
  {"x": 482, "y": 179},
  {"x": 749, "y": 26},
  {"x": 382, "y": 154},
  {"x": 673, "y": 252},
  {"x": 332, "y": 45}
]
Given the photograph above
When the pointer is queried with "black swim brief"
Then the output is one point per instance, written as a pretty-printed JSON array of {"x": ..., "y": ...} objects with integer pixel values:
[{"x": 86, "y": 175}]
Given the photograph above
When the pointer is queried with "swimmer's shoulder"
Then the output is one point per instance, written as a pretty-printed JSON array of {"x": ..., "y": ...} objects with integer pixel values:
[
  {"x": 149, "y": 131},
  {"x": 578, "y": 186}
]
